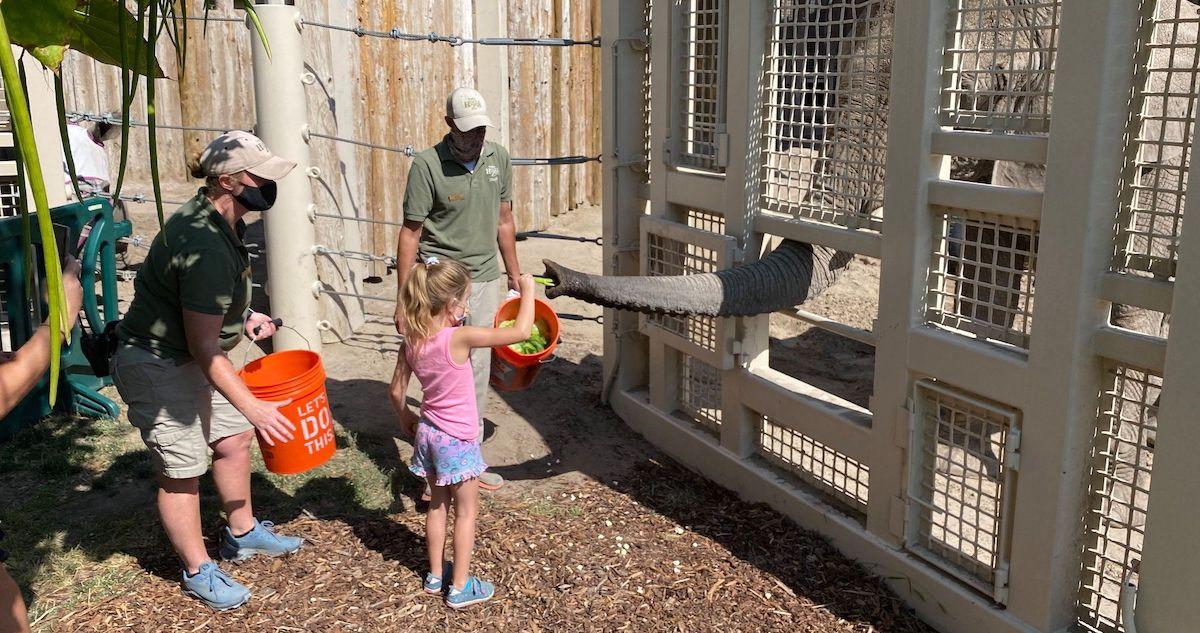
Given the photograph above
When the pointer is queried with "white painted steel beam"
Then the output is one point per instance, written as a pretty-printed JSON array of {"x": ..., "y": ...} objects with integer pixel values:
[
  {"x": 1131, "y": 348},
  {"x": 839, "y": 424},
  {"x": 866, "y": 243},
  {"x": 1144, "y": 292},
  {"x": 907, "y": 243},
  {"x": 696, "y": 190},
  {"x": 866, "y": 337},
  {"x": 973, "y": 365},
  {"x": 955, "y": 194},
  {"x": 1021, "y": 148},
  {"x": 1166, "y": 593}
]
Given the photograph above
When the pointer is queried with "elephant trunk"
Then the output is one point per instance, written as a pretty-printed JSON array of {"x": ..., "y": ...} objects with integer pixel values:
[{"x": 787, "y": 276}]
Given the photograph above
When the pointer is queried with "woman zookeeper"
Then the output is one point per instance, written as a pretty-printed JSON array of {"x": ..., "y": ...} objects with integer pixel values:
[{"x": 190, "y": 307}]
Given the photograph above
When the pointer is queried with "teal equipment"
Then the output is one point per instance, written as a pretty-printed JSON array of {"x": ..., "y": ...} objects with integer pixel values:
[{"x": 23, "y": 307}]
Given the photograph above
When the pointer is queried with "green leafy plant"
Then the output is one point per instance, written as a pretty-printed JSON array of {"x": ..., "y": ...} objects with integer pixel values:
[
  {"x": 108, "y": 32},
  {"x": 532, "y": 345}
]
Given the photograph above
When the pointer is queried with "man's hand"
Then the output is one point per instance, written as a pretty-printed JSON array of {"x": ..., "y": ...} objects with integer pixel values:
[
  {"x": 262, "y": 321},
  {"x": 272, "y": 425},
  {"x": 514, "y": 281}
]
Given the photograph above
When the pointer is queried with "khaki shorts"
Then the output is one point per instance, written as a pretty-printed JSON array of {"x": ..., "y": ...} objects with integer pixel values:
[{"x": 176, "y": 409}]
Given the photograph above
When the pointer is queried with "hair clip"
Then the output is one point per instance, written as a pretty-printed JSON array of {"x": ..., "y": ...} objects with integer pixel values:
[{"x": 432, "y": 261}]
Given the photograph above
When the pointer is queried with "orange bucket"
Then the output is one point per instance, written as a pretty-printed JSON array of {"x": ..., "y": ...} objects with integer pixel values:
[
  {"x": 295, "y": 375},
  {"x": 512, "y": 370}
]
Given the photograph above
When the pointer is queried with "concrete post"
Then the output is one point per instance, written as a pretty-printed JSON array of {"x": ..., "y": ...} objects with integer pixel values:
[
  {"x": 622, "y": 24},
  {"x": 281, "y": 111},
  {"x": 491, "y": 20}
]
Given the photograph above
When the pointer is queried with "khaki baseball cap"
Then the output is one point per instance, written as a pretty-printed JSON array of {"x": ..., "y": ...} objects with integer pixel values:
[
  {"x": 237, "y": 151},
  {"x": 468, "y": 109}
]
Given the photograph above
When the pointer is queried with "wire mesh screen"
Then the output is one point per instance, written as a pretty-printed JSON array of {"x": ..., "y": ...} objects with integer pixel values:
[
  {"x": 982, "y": 276},
  {"x": 700, "y": 393},
  {"x": 1122, "y": 460},
  {"x": 834, "y": 474},
  {"x": 999, "y": 65},
  {"x": 1159, "y": 139},
  {"x": 667, "y": 256},
  {"x": 10, "y": 198},
  {"x": 959, "y": 486},
  {"x": 703, "y": 86},
  {"x": 829, "y": 69},
  {"x": 706, "y": 221}
]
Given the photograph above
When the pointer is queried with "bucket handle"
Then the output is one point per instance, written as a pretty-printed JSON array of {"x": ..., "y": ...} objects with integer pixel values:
[
  {"x": 552, "y": 357},
  {"x": 278, "y": 324}
]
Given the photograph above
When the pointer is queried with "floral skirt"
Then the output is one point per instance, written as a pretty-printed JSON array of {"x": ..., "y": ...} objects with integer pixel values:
[{"x": 443, "y": 457}]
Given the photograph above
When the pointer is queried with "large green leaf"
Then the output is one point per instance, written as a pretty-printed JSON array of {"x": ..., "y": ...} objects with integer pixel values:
[
  {"x": 98, "y": 36},
  {"x": 93, "y": 27}
]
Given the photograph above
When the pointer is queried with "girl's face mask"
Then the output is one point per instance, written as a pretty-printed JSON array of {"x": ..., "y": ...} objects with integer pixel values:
[{"x": 463, "y": 311}]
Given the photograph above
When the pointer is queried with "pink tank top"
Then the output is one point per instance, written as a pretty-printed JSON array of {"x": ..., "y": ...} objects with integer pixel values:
[{"x": 449, "y": 387}]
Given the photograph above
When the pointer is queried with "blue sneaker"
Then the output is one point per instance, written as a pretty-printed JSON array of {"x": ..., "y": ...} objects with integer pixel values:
[
  {"x": 215, "y": 588},
  {"x": 474, "y": 592},
  {"x": 261, "y": 540},
  {"x": 434, "y": 584}
]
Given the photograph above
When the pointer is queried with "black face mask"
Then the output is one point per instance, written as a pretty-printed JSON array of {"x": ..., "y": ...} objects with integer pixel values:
[{"x": 257, "y": 198}]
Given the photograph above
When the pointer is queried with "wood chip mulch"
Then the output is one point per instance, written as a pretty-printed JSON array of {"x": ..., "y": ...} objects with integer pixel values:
[{"x": 664, "y": 551}]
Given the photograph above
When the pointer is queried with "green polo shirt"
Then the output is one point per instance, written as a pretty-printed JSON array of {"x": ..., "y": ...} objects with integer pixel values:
[
  {"x": 459, "y": 209},
  {"x": 201, "y": 266}
]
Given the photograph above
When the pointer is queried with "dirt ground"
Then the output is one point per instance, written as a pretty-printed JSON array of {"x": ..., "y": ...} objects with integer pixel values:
[{"x": 596, "y": 530}]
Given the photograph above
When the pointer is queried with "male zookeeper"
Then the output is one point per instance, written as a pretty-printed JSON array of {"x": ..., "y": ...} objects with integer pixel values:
[
  {"x": 190, "y": 307},
  {"x": 458, "y": 205}
]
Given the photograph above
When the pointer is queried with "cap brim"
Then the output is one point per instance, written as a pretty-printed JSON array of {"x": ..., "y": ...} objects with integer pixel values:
[
  {"x": 274, "y": 168},
  {"x": 468, "y": 123}
]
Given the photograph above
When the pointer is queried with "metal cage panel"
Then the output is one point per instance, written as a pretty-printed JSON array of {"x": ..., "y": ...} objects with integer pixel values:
[
  {"x": 670, "y": 248},
  {"x": 1122, "y": 461},
  {"x": 700, "y": 393},
  {"x": 1161, "y": 126},
  {"x": 837, "y": 476},
  {"x": 998, "y": 73},
  {"x": 981, "y": 278},
  {"x": 962, "y": 475},
  {"x": 829, "y": 70},
  {"x": 702, "y": 94}
]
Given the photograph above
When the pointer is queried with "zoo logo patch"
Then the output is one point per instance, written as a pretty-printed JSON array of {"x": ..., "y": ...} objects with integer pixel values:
[{"x": 493, "y": 173}]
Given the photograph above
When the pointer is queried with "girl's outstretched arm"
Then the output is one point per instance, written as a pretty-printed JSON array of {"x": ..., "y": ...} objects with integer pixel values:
[
  {"x": 398, "y": 391},
  {"x": 465, "y": 339}
]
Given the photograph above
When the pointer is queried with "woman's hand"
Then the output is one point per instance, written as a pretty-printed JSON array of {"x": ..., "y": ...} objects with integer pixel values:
[
  {"x": 272, "y": 425},
  {"x": 266, "y": 328}
]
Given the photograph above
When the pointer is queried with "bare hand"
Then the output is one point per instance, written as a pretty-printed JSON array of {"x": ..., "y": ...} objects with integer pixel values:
[
  {"x": 514, "y": 281},
  {"x": 266, "y": 329},
  {"x": 272, "y": 425},
  {"x": 526, "y": 283},
  {"x": 72, "y": 289},
  {"x": 408, "y": 422}
]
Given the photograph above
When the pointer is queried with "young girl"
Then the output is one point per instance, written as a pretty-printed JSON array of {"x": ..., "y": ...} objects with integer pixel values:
[{"x": 437, "y": 348}]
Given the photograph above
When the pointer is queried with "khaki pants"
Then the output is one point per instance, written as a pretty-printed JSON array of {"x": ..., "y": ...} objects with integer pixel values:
[
  {"x": 176, "y": 409},
  {"x": 484, "y": 301}
]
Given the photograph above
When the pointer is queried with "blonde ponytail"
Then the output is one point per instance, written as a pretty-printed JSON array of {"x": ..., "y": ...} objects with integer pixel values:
[{"x": 428, "y": 292}]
